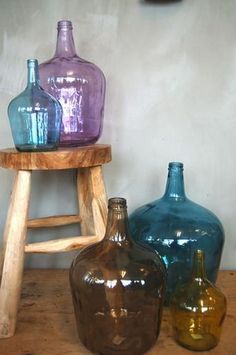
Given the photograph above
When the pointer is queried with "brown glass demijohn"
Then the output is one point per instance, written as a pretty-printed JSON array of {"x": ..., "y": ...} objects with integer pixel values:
[{"x": 118, "y": 289}]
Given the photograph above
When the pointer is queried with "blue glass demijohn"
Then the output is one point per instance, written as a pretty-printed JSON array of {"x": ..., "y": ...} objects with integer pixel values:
[
  {"x": 175, "y": 227},
  {"x": 35, "y": 116}
]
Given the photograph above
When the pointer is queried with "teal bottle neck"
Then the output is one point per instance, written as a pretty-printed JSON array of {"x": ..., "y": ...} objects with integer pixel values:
[
  {"x": 175, "y": 182},
  {"x": 33, "y": 73}
]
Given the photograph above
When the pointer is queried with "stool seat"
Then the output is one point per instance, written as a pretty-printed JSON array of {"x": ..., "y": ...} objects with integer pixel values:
[
  {"x": 92, "y": 217},
  {"x": 63, "y": 158}
]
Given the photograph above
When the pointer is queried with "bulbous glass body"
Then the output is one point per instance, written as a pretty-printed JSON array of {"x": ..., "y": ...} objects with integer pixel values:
[
  {"x": 35, "y": 116},
  {"x": 79, "y": 86},
  {"x": 198, "y": 310},
  {"x": 175, "y": 227},
  {"x": 117, "y": 288}
]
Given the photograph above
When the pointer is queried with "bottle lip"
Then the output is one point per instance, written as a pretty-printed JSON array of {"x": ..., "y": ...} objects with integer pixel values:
[
  {"x": 31, "y": 63},
  {"x": 117, "y": 202},
  {"x": 176, "y": 164},
  {"x": 64, "y": 24},
  {"x": 199, "y": 253}
]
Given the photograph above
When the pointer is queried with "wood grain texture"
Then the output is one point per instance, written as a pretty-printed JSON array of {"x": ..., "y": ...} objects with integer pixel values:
[
  {"x": 7, "y": 225},
  {"x": 14, "y": 254},
  {"x": 46, "y": 324},
  {"x": 61, "y": 245},
  {"x": 63, "y": 158},
  {"x": 99, "y": 201},
  {"x": 84, "y": 195},
  {"x": 53, "y": 221},
  {"x": 92, "y": 201}
]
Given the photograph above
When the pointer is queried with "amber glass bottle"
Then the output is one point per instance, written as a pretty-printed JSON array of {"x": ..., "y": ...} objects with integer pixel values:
[
  {"x": 198, "y": 310},
  {"x": 117, "y": 289}
]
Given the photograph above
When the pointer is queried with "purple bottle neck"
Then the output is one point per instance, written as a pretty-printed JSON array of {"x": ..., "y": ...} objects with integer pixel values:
[{"x": 65, "y": 42}]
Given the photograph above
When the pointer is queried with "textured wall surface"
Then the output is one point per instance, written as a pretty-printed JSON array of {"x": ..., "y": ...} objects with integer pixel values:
[{"x": 171, "y": 96}]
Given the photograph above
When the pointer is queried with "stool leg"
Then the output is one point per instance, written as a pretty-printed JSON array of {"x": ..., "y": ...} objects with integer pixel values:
[
  {"x": 7, "y": 224},
  {"x": 14, "y": 254},
  {"x": 85, "y": 201},
  {"x": 92, "y": 201},
  {"x": 99, "y": 202}
]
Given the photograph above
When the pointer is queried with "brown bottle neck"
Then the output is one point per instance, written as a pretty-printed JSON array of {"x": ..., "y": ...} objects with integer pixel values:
[
  {"x": 117, "y": 225},
  {"x": 199, "y": 272}
]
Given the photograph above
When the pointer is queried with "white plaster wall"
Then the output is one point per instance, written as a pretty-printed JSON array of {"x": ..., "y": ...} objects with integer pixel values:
[{"x": 171, "y": 95}]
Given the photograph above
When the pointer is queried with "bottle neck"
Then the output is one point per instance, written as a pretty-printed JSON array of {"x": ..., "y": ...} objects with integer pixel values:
[
  {"x": 175, "y": 182},
  {"x": 33, "y": 72},
  {"x": 65, "y": 42},
  {"x": 117, "y": 222},
  {"x": 198, "y": 272}
]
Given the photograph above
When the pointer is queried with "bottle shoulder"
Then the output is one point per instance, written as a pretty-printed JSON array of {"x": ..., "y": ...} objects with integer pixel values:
[
  {"x": 198, "y": 295},
  {"x": 175, "y": 213},
  {"x": 114, "y": 257},
  {"x": 57, "y": 59},
  {"x": 34, "y": 97},
  {"x": 69, "y": 66},
  {"x": 171, "y": 205},
  {"x": 18, "y": 98}
]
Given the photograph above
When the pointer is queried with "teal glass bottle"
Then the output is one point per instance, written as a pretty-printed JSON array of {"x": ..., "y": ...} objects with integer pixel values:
[
  {"x": 175, "y": 227},
  {"x": 35, "y": 116}
]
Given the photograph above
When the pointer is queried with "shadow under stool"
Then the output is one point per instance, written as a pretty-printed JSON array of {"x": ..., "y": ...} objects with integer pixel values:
[{"x": 92, "y": 201}]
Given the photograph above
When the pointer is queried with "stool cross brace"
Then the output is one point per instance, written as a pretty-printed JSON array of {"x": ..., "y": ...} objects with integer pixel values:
[{"x": 92, "y": 217}]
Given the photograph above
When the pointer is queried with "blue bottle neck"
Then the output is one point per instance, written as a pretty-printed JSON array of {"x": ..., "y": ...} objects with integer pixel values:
[
  {"x": 175, "y": 182},
  {"x": 33, "y": 73}
]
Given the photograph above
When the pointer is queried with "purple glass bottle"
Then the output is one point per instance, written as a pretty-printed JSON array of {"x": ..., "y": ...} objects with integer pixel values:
[{"x": 80, "y": 88}]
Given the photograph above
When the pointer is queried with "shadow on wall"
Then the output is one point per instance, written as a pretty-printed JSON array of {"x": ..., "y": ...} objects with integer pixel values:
[{"x": 160, "y": 2}]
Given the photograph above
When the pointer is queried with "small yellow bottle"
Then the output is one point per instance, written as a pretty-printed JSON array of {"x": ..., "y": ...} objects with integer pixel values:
[{"x": 198, "y": 309}]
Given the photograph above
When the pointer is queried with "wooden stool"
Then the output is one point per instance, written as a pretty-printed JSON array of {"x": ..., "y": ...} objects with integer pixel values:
[{"x": 92, "y": 207}]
